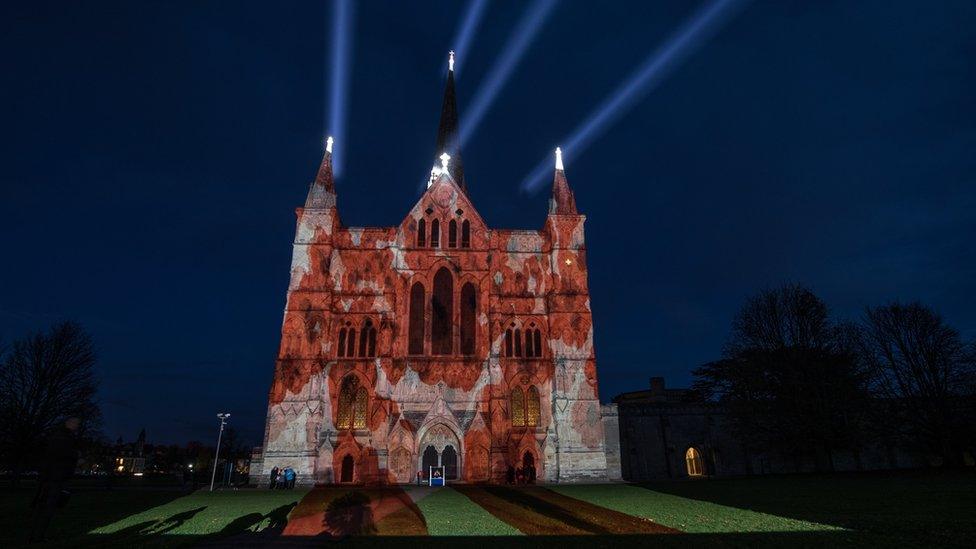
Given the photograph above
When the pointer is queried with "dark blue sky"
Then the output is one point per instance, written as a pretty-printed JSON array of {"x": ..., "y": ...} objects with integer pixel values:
[{"x": 154, "y": 152}]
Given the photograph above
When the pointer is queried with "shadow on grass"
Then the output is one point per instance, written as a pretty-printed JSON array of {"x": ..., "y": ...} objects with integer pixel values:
[
  {"x": 684, "y": 541},
  {"x": 86, "y": 510}
]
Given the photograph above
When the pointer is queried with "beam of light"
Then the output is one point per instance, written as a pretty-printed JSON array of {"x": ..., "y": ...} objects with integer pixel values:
[
  {"x": 520, "y": 39},
  {"x": 342, "y": 22},
  {"x": 462, "y": 41},
  {"x": 692, "y": 34}
]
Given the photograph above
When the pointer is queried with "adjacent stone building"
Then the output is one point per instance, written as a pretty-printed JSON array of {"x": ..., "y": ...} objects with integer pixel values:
[{"x": 438, "y": 341}]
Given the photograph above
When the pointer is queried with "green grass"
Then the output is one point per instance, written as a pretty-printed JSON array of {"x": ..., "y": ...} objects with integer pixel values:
[
  {"x": 903, "y": 509},
  {"x": 449, "y": 513},
  {"x": 688, "y": 515}
]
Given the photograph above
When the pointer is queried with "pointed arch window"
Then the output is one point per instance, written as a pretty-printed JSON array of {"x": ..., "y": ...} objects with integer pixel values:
[
  {"x": 465, "y": 234},
  {"x": 415, "y": 345},
  {"x": 367, "y": 340},
  {"x": 533, "y": 341},
  {"x": 441, "y": 312},
  {"x": 421, "y": 233},
  {"x": 532, "y": 407},
  {"x": 518, "y": 407},
  {"x": 518, "y": 342},
  {"x": 351, "y": 343},
  {"x": 353, "y": 403},
  {"x": 469, "y": 308},
  {"x": 341, "y": 347},
  {"x": 452, "y": 234},
  {"x": 435, "y": 234},
  {"x": 693, "y": 462}
]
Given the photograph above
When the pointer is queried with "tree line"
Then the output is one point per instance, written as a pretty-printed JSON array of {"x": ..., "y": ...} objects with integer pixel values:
[{"x": 799, "y": 382}]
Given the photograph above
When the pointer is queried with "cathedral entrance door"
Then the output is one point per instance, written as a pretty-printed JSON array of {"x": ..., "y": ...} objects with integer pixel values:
[
  {"x": 347, "y": 465},
  {"x": 431, "y": 459},
  {"x": 450, "y": 462},
  {"x": 441, "y": 448}
]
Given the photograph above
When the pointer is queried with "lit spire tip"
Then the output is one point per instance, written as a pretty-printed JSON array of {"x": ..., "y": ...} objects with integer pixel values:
[
  {"x": 445, "y": 159},
  {"x": 328, "y": 145},
  {"x": 559, "y": 158},
  {"x": 450, "y": 61}
]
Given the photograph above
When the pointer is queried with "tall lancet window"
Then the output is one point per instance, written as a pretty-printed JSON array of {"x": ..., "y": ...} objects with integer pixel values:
[
  {"x": 421, "y": 233},
  {"x": 452, "y": 234},
  {"x": 353, "y": 402},
  {"x": 367, "y": 340},
  {"x": 435, "y": 234},
  {"x": 416, "y": 337},
  {"x": 441, "y": 309},
  {"x": 465, "y": 234},
  {"x": 469, "y": 308}
]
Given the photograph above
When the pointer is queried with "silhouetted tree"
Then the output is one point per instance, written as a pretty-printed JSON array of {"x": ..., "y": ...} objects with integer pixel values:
[
  {"x": 45, "y": 378},
  {"x": 790, "y": 377},
  {"x": 924, "y": 372}
]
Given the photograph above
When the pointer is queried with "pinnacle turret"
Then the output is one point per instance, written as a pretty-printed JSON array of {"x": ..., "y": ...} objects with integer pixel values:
[{"x": 562, "y": 202}]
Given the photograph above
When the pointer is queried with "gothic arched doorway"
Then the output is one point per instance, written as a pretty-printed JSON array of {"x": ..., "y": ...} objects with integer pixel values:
[
  {"x": 441, "y": 447},
  {"x": 348, "y": 463}
]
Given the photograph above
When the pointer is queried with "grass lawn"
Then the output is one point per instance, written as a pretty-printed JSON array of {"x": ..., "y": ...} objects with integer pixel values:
[
  {"x": 903, "y": 509},
  {"x": 451, "y": 514}
]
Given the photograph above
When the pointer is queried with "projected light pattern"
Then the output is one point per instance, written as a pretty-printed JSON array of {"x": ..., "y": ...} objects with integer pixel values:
[
  {"x": 342, "y": 22},
  {"x": 462, "y": 41},
  {"x": 495, "y": 80},
  {"x": 692, "y": 34}
]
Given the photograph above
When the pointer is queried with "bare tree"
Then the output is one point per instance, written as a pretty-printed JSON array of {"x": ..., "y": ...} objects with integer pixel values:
[
  {"x": 790, "y": 377},
  {"x": 45, "y": 378},
  {"x": 925, "y": 372}
]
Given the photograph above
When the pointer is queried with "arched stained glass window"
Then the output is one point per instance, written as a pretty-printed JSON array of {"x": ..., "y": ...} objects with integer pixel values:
[
  {"x": 518, "y": 407},
  {"x": 367, "y": 340},
  {"x": 341, "y": 350},
  {"x": 508, "y": 342},
  {"x": 362, "y": 406},
  {"x": 538, "y": 342},
  {"x": 351, "y": 343}
]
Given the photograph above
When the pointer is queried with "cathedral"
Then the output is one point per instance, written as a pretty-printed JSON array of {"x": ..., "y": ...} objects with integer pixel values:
[{"x": 436, "y": 342}]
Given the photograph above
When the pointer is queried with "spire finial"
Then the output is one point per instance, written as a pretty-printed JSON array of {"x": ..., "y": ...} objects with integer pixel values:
[
  {"x": 445, "y": 159},
  {"x": 450, "y": 61},
  {"x": 559, "y": 159},
  {"x": 328, "y": 144}
]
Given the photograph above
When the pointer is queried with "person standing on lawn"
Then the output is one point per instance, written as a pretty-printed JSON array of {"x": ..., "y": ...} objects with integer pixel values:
[
  {"x": 273, "y": 478},
  {"x": 59, "y": 461}
]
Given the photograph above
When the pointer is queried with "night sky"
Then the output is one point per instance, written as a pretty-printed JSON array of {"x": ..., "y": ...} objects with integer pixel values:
[{"x": 154, "y": 153}]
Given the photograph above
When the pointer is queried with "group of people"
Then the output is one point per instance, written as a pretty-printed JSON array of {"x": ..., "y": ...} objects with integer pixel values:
[
  {"x": 521, "y": 474},
  {"x": 282, "y": 479}
]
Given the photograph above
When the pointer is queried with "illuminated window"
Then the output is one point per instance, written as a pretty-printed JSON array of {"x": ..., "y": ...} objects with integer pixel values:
[
  {"x": 353, "y": 404},
  {"x": 532, "y": 407},
  {"x": 465, "y": 234},
  {"x": 518, "y": 408},
  {"x": 362, "y": 403},
  {"x": 693, "y": 461},
  {"x": 452, "y": 234},
  {"x": 421, "y": 233},
  {"x": 435, "y": 234}
]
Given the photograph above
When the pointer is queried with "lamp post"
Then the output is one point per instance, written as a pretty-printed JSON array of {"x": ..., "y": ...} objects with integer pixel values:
[{"x": 223, "y": 421}]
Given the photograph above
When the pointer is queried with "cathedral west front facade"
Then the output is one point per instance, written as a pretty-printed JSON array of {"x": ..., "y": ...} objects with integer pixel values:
[{"x": 438, "y": 341}]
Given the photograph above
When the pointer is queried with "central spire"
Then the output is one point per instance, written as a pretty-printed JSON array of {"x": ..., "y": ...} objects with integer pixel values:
[{"x": 448, "y": 136}]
